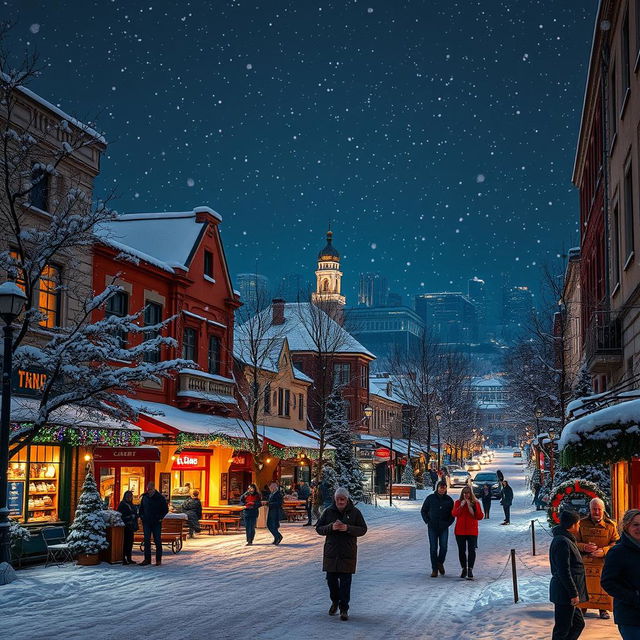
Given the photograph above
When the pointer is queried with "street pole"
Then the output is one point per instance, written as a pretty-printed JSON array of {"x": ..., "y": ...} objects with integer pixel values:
[
  {"x": 391, "y": 470},
  {"x": 5, "y": 426}
]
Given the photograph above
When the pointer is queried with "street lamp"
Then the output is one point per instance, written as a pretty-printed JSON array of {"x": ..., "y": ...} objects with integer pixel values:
[
  {"x": 368, "y": 412},
  {"x": 12, "y": 301},
  {"x": 538, "y": 414}
]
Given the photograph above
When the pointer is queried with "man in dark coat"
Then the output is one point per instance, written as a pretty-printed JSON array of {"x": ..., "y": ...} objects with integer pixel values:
[
  {"x": 436, "y": 513},
  {"x": 192, "y": 508},
  {"x": 568, "y": 584},
  {"x": 153, "y": 508},
  {"x": 341, "y": 523},
  {"x": 506, "y": 500},
  {"x": 273, "y": 514},
  {"x": 304, "y": 493},
  {"x": 433, "y": 475}
]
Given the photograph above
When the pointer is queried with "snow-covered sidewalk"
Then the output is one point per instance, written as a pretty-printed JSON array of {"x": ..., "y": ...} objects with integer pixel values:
[{"x": 218, "y": 588}]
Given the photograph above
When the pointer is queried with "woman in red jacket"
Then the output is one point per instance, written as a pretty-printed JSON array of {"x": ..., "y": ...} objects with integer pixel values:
[{"x": 467, "y": 512}]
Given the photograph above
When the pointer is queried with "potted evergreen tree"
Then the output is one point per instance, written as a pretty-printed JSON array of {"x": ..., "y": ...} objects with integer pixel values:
[{"x": 87, "y": 536}]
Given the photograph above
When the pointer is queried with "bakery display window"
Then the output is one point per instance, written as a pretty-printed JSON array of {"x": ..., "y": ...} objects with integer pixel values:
[{"x": 34, "y": 484}]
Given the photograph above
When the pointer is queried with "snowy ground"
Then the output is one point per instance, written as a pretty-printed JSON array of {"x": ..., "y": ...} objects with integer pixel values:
[{"x": 218, "y": 588}]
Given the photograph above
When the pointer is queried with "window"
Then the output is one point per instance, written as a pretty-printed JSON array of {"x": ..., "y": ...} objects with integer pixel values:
[
  {"x": 214, "y": 355},
  {"x": 300, "y": 406},
  {"x": 615, "y": 246},
  {"x": 284, "y": 402},
  {"x": 49, "y": 297},
  {"x": 208, "y": 264},
  {"x": 637, "y": 28},
  {"x": 341, "y": 374},
  {"x": 626, "y": 65},
  {"x": 628, "y": 212},
  {"x": 613, "y": 101},
  {"x": 152, "y": 316},
  {"x": 189, "y": 344},
  {"x": 39, "y": 193},
  {"x": 267, "y": 399},
  {"x": 364, "y": 376},
  {"x": 118, "y": 305},
  {"x": 347, "y": 410}
]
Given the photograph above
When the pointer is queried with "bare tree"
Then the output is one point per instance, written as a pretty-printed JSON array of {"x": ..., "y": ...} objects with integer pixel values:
[{"x": 78, "y": 357}]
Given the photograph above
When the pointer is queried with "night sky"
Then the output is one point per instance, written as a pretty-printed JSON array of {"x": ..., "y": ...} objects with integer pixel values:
[{"x": 438, "y": 137}]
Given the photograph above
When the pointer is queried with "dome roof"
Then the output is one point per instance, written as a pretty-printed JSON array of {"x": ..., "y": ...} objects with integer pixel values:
[{"x": 329, "y": 252}]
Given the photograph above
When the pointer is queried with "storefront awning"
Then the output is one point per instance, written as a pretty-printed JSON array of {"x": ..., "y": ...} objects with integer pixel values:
[{"x": 288, "y": 437}]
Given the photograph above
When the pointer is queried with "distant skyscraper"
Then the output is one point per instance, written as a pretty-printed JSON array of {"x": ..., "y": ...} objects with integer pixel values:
[
  {"x": 517, "y": 306},
  {"x": 374, "y": 290},
  {"x": 478, "y": 295},
  {"x": 450, "y": 317},
  {"x": 254, "y": 291}
]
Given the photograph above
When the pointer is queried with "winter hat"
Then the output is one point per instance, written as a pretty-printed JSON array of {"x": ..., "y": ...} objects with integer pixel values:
[{"x": 568, "y": 518}]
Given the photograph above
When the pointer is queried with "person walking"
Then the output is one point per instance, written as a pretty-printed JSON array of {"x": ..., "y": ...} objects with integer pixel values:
[
  {"x": 304, "y": 493},
  {"x": 273, "y": 516},
  {"x": 434, "y": 478},
  {"x": 192, "y": 508},
  {"x": 342, "y": 524},
  {"x": 252, "y": 501},
  {"x": 568, "y": 585},
  {"x": 621, "y": 576},
  {"x": 500, "y": 476},
  {"x": 467, "y": 512},
  {"x": 596, "y": 535},
  {"x": 129, "y": 513},
  {"x": 153, "y": 508},
  {"x": 506, "y": 500},
  {"x": 436, "y": 513},
  {"x": 485, "y": 496}
]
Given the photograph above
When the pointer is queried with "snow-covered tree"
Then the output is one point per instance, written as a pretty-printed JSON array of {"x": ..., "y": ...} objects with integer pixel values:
[
  {"x": 598, "y": 474},
  {"x": 583, "y": 386},
  {"x": 87, "y": 533},
  {"x": 38, "y": 164},
  {"x": 339, "y": 434},
  {"x": 408, "y": 476}
]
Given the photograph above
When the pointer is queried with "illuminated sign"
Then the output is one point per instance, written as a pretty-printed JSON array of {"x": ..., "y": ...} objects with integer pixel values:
[{"x": 189, "y": 461}]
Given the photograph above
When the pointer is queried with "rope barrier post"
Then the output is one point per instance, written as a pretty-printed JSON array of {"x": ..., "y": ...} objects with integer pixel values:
[
  {"x": 533, "y": 537},
  {"x": 514, "y": 576}
]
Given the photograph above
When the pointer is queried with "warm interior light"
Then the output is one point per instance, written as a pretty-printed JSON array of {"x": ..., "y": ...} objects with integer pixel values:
[
  {"x": 87, "y": 457},
  {"x": 268, "y": 460},
  {"x": 173, "y": 458}
]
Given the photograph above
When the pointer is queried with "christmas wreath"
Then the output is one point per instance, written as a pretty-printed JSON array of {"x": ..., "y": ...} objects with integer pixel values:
[{"x": 562, "y": 494}]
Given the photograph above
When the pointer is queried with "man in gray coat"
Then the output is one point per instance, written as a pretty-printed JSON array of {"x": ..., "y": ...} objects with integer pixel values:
[{"x": 342, "y": 524}]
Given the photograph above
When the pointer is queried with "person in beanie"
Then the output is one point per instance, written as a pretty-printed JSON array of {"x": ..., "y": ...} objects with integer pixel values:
[
  {"x": 341, "y": 524},
  {"x": 153, "y": 509},
  {"x": 506, "y": 500},
  {"x": 568, "y": 584},
  {"x": 274, "y": 501},
  {"x": 621, "y": 576},
  {"x": 485, "y": 496},
  {"x": 436, "y": 513}
]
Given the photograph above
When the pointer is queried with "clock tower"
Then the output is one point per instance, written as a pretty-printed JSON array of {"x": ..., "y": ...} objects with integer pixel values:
[{"x": 328, "y": 276}]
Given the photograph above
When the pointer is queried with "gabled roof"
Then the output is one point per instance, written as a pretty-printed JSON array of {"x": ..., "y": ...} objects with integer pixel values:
[
  {"x": 298, "y": 318},
  {"x": 378, "y": 387}
]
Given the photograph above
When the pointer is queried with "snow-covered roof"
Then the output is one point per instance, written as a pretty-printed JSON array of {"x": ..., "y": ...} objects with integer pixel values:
[
  {"x": 26, "y": 409},
  {"x": 166, "y": 240},
  {"x": 190, "y": 421},
  {"x": 288, "y": 437},
  {"x": 298, "y": 319},
  {"x": 605, "y": 425},
  {"x": 491, "y": 406},
  {"x": 487, "y": 382},
  {"x": 378, "y": 387}
]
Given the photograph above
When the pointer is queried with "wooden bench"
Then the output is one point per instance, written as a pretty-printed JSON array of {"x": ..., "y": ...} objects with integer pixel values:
[
  {"x": 172, "y": 534},
  {"x": 402, "y": 491}
]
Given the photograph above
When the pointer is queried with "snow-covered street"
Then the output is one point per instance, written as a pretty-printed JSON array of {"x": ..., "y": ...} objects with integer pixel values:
[{"x": 218, "y": 588}]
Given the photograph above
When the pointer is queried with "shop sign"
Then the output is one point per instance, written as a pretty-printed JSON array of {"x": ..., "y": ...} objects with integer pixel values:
[
  {"x": 189, "y": 461},
  {"x": 239, "y": 460},
  {"x": 382, "y": 453},
  {"x": 15, "y": 497},
  {"x": 28, "y": 382},
  {"x": 126, "y": 454},
  {"x": 365, "y": 454}
]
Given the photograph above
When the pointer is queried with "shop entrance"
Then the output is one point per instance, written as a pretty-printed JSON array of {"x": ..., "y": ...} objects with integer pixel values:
[{"x": 126, "y": 469}]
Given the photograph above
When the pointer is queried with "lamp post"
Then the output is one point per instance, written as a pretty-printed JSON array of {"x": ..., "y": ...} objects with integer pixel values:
[
  {"x": 438, "y": 417},
  {"x": 538, "y": 414},
  {"x": 12, "y": 301}
]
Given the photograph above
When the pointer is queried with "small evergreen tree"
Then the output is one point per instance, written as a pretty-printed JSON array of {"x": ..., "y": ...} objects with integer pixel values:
[
  {"x": 408, "y": 476},
  {"x": 583, "y": 386},
  {"x": 87, "y": 533},
  {"x": 339, "y": 435}
]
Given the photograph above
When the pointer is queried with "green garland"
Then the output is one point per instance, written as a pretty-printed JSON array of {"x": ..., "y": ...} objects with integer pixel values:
[
  {"x": 622, "y": 446},
  {"x": 285, "y": 453},
  {"x": 82, "y": 436}
]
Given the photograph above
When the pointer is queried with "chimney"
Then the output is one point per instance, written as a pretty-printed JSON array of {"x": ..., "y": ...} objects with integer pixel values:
[{"x": 277, "y": 306}]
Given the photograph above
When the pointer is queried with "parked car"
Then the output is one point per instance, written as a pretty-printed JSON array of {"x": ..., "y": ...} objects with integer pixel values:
[
  {"x": 486, "y": 477},
  {"x": 459, "y": 478},
  {"x": 517, "y": 454},
  {"x": 472, "y": 465},
  {"x": 452, "y": 467}
]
